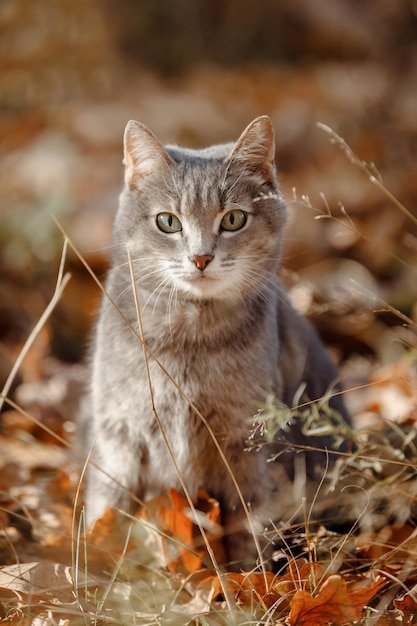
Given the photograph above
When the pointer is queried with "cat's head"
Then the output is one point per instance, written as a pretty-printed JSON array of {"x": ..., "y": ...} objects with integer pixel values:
[{"x": 201, "y": 224}]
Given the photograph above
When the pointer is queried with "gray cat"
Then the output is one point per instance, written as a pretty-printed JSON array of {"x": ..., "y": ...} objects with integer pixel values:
[{"x": 203, "y": 230}]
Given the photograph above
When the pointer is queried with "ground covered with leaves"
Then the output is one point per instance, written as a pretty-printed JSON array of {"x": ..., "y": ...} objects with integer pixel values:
[
  {"x": 342, "y": 98},
  {"x": 154, "y": 568}
]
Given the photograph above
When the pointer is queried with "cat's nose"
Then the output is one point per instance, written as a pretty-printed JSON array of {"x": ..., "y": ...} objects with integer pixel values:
[{"x": 202, "y": 261}]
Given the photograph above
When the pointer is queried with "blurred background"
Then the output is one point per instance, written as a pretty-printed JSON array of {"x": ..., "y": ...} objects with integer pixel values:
[{"x": 197, "y": 72}]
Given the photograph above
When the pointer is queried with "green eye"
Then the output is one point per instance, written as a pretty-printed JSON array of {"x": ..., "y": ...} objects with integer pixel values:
[
  {"x": 168, "y": 223},
  {"x": 233, "y": 220}
]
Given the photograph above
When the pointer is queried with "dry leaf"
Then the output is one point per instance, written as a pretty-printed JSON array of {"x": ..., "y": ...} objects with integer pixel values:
[
  {"x": 390, "y": 618},
  {"x": 247, "y": 589},
  {"x": 300, "y": 575},
  {"x": 14, "y": 617},
  {"x": 168, "y": 539},
  {"x": 334, "y": 602},
  {"x": 305, "y": 575},
  {"x": 43, "y": 579},
  {"x": 394, "y": 543},
  {"x": 392, "y": 393},
  {"x": 105, "y": 543},
  {"x": 407, "y": 603},
  {"x": 266, "y": 589},
  {"x": 180, "y": 536},
  {"x": 180, "y": 556}
]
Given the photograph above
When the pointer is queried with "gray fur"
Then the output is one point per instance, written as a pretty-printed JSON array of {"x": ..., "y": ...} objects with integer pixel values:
[{"x": 225, "y": 335}]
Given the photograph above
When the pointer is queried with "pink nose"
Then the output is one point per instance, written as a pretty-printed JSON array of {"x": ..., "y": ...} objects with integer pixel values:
[{"x": 202, "y": 261}]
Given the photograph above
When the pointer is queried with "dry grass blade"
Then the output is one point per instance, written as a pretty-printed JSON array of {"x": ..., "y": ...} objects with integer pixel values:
[
  {"x": 61, "y": 283},
  {"x": 369, "y": 169},
  {"x": 347, "y": 223}
]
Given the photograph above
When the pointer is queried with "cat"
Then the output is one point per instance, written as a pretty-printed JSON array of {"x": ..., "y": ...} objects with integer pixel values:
[{"x": 197, "y": 240}]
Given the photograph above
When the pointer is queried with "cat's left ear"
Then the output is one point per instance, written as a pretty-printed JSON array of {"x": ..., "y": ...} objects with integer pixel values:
[
  {"x": 255, "y": 148},
  {"x": 143, "y": 153}
]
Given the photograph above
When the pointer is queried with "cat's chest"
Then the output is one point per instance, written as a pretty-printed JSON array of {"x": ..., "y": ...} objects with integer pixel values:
[
  {"x": 210, "y": 327},
  {"x": 218, "y": 363}
]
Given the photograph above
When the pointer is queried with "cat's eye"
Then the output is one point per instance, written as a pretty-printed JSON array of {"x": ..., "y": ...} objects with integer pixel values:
[
  {"x": 233, "y": 220},
  {"x": 168, "y": 223}
]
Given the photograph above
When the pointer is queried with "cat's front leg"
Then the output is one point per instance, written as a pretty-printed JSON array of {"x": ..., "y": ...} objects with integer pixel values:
[
  {"x": 240, "y": 541},
  {"x": 246, "y": 511},
  {"x": 112, "y": 479},
  {"x": 246, "y": 532}
]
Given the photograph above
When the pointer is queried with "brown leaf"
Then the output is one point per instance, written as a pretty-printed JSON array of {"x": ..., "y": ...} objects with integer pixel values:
[
  {"x": 170, "y": 538},
  {"x": 334, "y": 602},
  {"x": 304, "y": 575},
  {"x": 103, "y": 529},
  {"x": 394, "y": 543},
  {"x": 408, "y": 602},
  {"x": 14, "y": 617},
  {"x": 38, "y": 580},
  {"x": 179, "y": 526},
  {"x": 247, "y": 589},
  {"x": 389, "y": 618},
  {"x": 266, "y": 589},
  {"x": 106, "y": 542},
  {"x": 184, "y": 549}
]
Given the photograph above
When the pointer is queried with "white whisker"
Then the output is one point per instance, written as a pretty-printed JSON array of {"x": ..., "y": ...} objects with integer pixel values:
[
  {"x": 138, "y": 280},
  {"x": 258, "y": 282},
  {"x": 139, "y": 260},
  {"x": 123, "y": 293},
  {"x": 173, "y": 293},
  {"x": 160, "y": 287},
  {"x": 144, "y": 277}
]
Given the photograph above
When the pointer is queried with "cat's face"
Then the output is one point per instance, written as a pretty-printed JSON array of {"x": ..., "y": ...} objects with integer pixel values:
[{"x": 201, "y": 224}]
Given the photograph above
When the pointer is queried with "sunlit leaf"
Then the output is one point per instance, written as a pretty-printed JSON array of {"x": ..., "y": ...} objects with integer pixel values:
[{"x": 335, "y": 602}]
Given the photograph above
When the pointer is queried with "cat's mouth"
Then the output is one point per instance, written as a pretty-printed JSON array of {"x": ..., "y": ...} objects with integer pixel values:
[
  {"x": 200, "y": 279},
  {"x": 201, "y": 284},
  {"x": 198, "y": 275},
  {"x": 203, "y": 276}
]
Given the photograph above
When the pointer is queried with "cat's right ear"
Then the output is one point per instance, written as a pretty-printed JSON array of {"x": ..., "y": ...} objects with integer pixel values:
[{"x": 143, "y": 153}]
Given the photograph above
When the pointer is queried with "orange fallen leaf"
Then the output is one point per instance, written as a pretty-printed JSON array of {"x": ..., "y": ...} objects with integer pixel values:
[
  {"x": 303, "y": 574},
  {"x": 178, "y": 525},
  {"x": 266, "y": 589},
  {"x": 394, "y": 543},
  {"x": 247, "y": 589},
  {"x": 407, "y": 604},
  {"x": 107, "y": 533},
  {"x": 171, "y": 538},
  {"x": 334, "y": 602},
  {"x": 183, "y": 547},
  {"x": 300, "y": 575},
  {"x": 105, "y": 543}
]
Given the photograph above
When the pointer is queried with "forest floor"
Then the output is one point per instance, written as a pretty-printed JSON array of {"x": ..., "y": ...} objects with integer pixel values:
[{"x": 350, "y": 265}]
